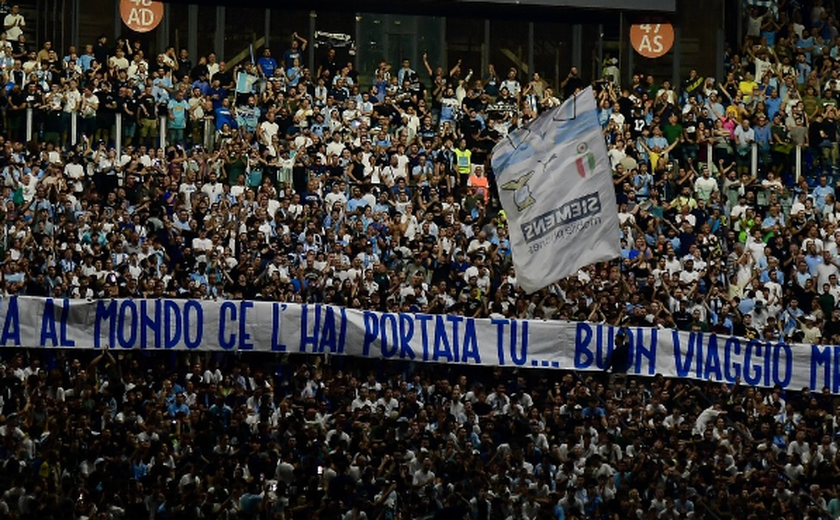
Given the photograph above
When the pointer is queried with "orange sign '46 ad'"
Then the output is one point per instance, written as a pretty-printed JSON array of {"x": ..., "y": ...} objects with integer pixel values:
[{"x": 141, "y": 15}]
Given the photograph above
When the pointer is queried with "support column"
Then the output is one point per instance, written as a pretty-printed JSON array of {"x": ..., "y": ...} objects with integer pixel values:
[
  {"x": 219, "y": 39},
  {"x": 599, "y": 52},
  {"x": 415, "y": 42},
  {"x": 677, "y": 51},
  {"x": 445, "y": 50},
  {"x": 192, "y": 36},
  {"x": 485, "y": 49},
  {"x": 267, "y": 32},
  {"x": 313, "y": 17},
  {"x": 530, "y": 49},
  {"x": 622, "y": 79},
  {"x": 118, "y": 26},
  {"x": 577, "y": 45},
  {"x": 358, "y": 38},
  {"x": 163, "y": 30},
  {"x": 74, "y": 26}
]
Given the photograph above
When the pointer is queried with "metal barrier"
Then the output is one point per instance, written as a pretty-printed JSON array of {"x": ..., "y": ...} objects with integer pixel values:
[
  {"x": 29, "y": 124},
  {"x": 798, "y": 163},
  {"x": 208, "y": 134},
  {"x": 74, "y": 128},
  {"x": 162, "y": 124},
  {"x": 118, "y": 131}
]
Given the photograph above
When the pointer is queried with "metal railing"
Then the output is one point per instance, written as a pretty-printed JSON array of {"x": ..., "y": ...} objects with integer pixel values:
[
  {"x": 207, "y": 133},
  {"x": 754, "y": 159}
]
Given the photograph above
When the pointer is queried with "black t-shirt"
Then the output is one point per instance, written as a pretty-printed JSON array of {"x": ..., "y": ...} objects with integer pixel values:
[
  {"x": 682, "y": 319},
  {"x": 330, "y": 65},
  {"x": 148, "y": 103},
  {"x": 33, "y": 98},
  {"x": 100, "y": 52},
  {"x": 106, "y": 101},
  {"x": 198, "y": 71},
  {"x": 625, "y": 106},
  {"x": 225, "y": 78},
  {"x": 184, "y": 67},
  {"x": 21, "y": 48},
  {"x": 573, "y": 84},
  {"x": 637, "y": 125},
  {"x": 128, "y": 104}
]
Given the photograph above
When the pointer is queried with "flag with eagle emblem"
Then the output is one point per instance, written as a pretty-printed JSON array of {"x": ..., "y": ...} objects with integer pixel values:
[{"x": 555, "y": 185}]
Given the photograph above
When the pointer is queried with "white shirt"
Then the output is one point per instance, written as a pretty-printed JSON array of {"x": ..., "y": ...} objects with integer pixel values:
[{"x": 16, "y": 21}]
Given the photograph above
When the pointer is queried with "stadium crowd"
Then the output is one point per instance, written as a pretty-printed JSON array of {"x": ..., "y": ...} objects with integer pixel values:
[{"x": 282, "y": 182}]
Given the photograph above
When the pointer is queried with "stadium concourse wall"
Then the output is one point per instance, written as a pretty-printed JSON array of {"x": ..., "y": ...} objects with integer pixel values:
[{"x": 259, "y": 326}]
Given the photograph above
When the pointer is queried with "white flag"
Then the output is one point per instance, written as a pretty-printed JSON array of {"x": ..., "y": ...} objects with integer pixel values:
[{"x": 555, "y": 185}]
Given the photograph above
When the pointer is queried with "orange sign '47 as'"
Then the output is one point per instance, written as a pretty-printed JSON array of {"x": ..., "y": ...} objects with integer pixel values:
[{"x": 652, "y": 40}]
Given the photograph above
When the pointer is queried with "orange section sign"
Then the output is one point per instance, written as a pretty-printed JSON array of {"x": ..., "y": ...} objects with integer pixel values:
[
  {"x": 141, "y": 15},
  {"x": 652, "y": 40}
]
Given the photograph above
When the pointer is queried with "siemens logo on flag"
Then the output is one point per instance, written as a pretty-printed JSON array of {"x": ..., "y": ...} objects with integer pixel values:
[{"x": 572, "y": 211}]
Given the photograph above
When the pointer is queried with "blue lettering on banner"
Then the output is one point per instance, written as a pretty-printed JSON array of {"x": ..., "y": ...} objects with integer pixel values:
[
  {"x": 406, "y": 335},
  {"x": 150, "y": 321},
  {"x": 517, "y": 346},
  {"x": 342, "y": 333},
  {"x": 371, "y": 331},
  {"x": 783, "y": 348},
  {"x": 228, "y": 340},
  {"x": 470, "y": 346},
  {"x": 711, "y": 368},
  {"x": 820, "y": 358},
  {"x": 49, "y": 332},
  {"x": 442, "y": 348},
  {"x": 11, "y": 325},
  {"x": 328, "y": 333},
  {"x": 424, "y": 320},
  {"x": 244, "y": 336},
  {"x": 65, "y": 317},
  {"x": 583, "y": 356},
  {"x": 325, "y": 329},
  {"x": 198, "y": 320},
  {"x": 276, "y": 313},
  {"x": 127, "y": 322},
  {"x": 752, "y": 372},
  {"x": 441, "y": 338},
  {"x": 827, "y": 357},
  {"x": 455, "y": 321},
  {"x": 731, "y": 369},
  {"x": 171, "y": 324},
  {"x": 106, "y": 312},
  {"x": 388, "y": 324},
  {"x": 835, "y": 387},
  {"x": 519, "y": 355},
  {"x": 307, "y": 339},
  {"x": 641, "y": 352},
  {"x": 682, "y": 360}
]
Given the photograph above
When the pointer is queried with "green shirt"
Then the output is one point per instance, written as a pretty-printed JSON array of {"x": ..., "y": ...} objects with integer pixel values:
[{"x": 672, "y": 132}]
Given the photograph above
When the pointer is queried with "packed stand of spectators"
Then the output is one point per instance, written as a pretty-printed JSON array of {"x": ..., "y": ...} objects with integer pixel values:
[
  {"x": 281, "y": 182},
  {"x": 132, "y": 436},
  {"x": 285, "y": 183}
]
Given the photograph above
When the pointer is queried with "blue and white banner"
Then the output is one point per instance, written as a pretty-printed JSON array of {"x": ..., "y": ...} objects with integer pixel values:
[
  {"x": 248, "y": 326},
  {"x": 556, "y": 187}
]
